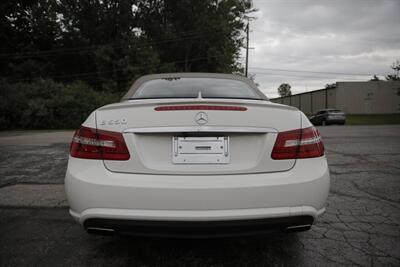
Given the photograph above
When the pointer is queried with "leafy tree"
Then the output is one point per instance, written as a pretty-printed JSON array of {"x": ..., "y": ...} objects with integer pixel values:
[
  {"x": 26, "y": 28},
  {"x": 108, "y": 43},
  {"x": 375, "y": 78},
  {"x": 55, "y": 52},
  {"x": 330, "y": 85},
  {"x": 47, "y": 104},
  {"x": 396, "y": 67},
  {"x": 284, "y": 90},
  {"x": 196, "y": 35}
]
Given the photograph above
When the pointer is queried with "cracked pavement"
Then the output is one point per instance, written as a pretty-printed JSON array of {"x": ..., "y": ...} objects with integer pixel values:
[{"x": 361, "y": 225}]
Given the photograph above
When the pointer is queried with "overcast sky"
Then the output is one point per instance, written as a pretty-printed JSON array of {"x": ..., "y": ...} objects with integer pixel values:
[{"x": 295, "y": 40}]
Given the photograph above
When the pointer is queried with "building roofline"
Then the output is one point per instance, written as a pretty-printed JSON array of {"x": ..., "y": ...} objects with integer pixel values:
[{"x": 309, "y": 92}]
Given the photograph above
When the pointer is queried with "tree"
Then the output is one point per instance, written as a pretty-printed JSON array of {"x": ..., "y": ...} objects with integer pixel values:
[
  {"x": 396, "y": 67},
  {"x": 284, "y": 90},
  {"x": 330, "y": 85},
  {"x": 108, "y": 43},
  {"x": 199, "y": 36},
  {"x": 375, "y": 78}
]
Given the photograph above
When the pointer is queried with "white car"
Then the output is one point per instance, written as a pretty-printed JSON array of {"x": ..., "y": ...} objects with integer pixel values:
[{"x": 196, "y": 154}]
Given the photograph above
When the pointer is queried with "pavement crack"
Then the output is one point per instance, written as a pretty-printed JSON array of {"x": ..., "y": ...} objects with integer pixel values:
[{"x": 390, "y": 202}]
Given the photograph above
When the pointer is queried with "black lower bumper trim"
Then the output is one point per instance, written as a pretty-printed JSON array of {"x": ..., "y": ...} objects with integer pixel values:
[{"x": 200, "y": 228}]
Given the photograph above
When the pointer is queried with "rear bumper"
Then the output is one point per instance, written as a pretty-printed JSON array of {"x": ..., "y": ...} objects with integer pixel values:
[
  {"x": 195, "y": 215},
  {"x": 196, "y": 229},
  {"x": 94, "y": 193}
]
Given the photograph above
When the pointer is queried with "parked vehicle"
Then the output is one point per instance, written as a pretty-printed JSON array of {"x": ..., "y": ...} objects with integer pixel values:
[
  {"x": 328, "y": 116},
  {"x": 196, "y": 155}
]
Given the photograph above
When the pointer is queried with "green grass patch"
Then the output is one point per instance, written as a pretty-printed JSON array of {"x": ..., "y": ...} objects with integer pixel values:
[{"x": 372, "y": 119}]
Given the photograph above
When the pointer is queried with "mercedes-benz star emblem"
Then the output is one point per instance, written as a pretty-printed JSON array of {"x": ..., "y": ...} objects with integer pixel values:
[{"x": 201, "y": 118}]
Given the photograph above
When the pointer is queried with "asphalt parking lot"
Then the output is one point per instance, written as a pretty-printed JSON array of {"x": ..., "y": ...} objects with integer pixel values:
[{"x": 361, "y": 226}]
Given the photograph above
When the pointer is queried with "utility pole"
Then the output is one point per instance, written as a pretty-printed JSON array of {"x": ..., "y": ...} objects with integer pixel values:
[{"x": 247, "y": 49}]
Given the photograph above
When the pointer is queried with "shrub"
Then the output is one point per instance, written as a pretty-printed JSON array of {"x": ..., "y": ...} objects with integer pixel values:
[{"x": 45, "y": 104}]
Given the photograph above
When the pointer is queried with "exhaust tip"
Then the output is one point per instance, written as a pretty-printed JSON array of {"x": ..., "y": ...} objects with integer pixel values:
[
  {"x": 100, "y": 231},
  {"x": 298, "y": 228}
]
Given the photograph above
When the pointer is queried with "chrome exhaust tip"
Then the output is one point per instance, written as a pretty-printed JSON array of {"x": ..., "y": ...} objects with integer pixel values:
[
  {"x": 298, "y": 228},
  {"x": 100, "y": 231}
]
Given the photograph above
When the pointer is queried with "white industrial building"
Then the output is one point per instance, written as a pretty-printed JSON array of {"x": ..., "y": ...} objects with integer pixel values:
[{"x": 370, "y": 97}]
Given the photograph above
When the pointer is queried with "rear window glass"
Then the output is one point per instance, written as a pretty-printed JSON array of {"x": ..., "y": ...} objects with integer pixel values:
[{"x": 190, "y": 88}]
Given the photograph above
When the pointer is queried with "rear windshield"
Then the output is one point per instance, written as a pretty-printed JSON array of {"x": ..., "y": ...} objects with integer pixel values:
[{"x": 190, "y": 88}]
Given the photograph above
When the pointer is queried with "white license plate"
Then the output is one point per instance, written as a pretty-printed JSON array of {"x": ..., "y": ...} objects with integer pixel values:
[{"x": 200, "y": 150}]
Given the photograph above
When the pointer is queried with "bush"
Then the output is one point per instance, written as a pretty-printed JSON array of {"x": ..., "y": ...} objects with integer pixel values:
[{"x": 45, "y": 104}]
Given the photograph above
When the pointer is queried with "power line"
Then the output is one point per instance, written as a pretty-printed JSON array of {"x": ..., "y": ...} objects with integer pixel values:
[
  {"x": 315, "y": 72},
  {"x": 65, "y": 51},
  {"x": 111, "y": 45},
  {"x": 302, "y": 76},
  {"x": 88, "y": 74}
]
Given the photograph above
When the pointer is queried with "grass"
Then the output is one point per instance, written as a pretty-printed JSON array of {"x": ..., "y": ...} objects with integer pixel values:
[{"x": 373, "y": 119}]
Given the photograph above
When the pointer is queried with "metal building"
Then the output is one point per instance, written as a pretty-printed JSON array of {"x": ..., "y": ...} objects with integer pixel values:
[{"x": 370, "y": 97}]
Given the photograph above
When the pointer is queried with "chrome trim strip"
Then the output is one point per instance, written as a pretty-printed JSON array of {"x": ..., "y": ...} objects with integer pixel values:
[
  {"x": 205, "y": 129},
  {"x": 100, "y": 229},
  {"x": 298, "y": 226}
]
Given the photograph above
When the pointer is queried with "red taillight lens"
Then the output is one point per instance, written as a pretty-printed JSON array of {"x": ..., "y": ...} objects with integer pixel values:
[
  {"x": 89, "y": 143},
  {"x": 200, "y": 107},
  {"x": 298, "y": 144},
  {"x": 311, "y": 145},
  {"x": 286, "y": 145}
]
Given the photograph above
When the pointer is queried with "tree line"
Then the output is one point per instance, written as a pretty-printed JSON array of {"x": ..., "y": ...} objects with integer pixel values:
[{"x": 102, "y": 46}]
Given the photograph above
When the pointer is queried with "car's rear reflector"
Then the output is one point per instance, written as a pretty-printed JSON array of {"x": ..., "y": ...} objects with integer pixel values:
[
  {"x": 298, "y": 144},
  {"x": 89, "y": 143},
  {"x": 199, "y": 107}
]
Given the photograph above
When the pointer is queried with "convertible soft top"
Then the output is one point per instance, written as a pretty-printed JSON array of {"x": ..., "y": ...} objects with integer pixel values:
[{"x": 146, "y": 78}]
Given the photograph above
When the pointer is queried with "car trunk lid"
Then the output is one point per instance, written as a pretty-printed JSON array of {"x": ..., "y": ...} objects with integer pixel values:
[{"x": 218, "y": 136}]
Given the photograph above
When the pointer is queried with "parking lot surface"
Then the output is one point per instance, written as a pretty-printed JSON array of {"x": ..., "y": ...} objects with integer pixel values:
[{"x": 361, "y": 225}]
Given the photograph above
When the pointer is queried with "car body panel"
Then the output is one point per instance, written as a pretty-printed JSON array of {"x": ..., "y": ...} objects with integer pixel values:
[
  {"x": 151, "y": 152},
  {"x": 195, "y": 197},
  {"x": 150, "y": 186}
]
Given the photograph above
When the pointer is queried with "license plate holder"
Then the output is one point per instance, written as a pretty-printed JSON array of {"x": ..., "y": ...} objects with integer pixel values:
[{"x": 200, "y": 150}]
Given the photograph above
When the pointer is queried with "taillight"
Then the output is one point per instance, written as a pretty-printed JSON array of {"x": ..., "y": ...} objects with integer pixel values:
[
  {"x": 200, "y": 107},
  {"x": 298, "y": 144},
  {"x": 89, "y": 143}
]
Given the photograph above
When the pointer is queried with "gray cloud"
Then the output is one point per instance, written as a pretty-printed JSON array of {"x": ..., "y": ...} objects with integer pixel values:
[{"x": 337, "y": 36}]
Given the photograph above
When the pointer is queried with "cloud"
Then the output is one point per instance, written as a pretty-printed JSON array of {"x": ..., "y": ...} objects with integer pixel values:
[{"x": 345, "y": 37}]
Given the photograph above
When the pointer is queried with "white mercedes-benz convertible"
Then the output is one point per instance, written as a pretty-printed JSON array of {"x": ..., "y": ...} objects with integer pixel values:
[{"x": 196, "y": 154}]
